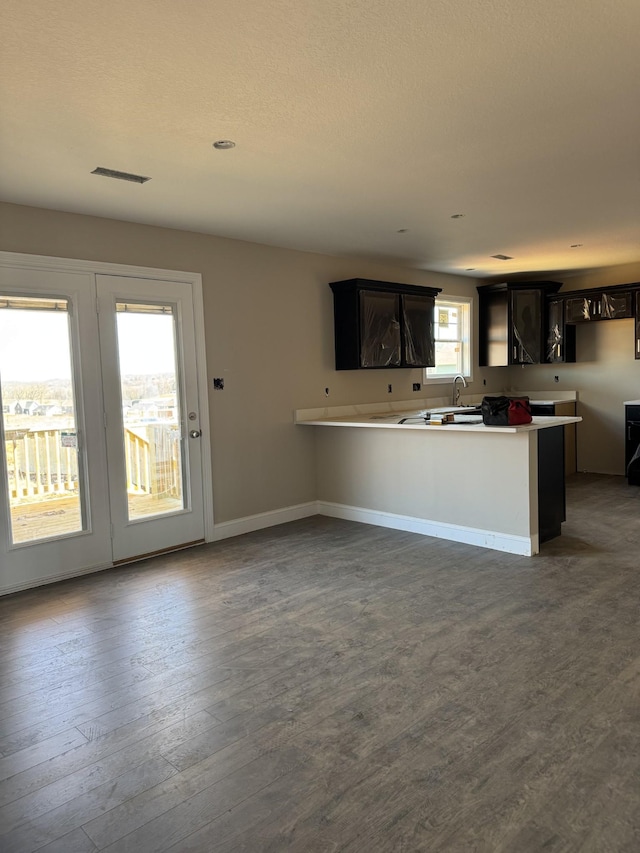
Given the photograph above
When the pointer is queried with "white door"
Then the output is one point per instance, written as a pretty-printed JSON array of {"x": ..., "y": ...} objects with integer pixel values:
[
  {"x": 54, "y": 507},
  {"x": 154, "y": 447},
  {"x": 100, "y": 447}
]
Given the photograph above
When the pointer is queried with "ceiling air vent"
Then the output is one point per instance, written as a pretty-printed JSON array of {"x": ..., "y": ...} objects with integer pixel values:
[
  {"x": 502, "y": 257},
  {"x": 120, "y": 176}
]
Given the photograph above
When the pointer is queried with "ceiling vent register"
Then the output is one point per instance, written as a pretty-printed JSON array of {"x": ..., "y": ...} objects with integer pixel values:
[{"x": 120, "y": 176}]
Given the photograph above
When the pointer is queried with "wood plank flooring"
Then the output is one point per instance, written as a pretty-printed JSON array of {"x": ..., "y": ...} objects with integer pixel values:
[{"x": 331, "y": 686}]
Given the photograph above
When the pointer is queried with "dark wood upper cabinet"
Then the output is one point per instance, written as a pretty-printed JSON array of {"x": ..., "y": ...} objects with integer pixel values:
[
  {"x": 513, "y": 322},
  {"x": 609, "y": 304},
  {"x": 561, "y": 338},
  {"x": 381, "y": 324}
]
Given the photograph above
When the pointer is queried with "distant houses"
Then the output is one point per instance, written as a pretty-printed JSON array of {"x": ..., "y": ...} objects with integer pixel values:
[{"x": 32, "y": 407}]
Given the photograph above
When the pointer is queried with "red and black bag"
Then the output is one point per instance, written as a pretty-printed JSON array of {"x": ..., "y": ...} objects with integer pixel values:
[{"x": 506, "y": 411}]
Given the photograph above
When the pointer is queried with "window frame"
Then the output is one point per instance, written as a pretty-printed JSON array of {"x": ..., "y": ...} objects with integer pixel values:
[{"x": 465, "y": 304}]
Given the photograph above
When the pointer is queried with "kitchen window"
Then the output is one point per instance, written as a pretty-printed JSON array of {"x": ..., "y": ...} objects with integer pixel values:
[{"x": 452, "y": 332}]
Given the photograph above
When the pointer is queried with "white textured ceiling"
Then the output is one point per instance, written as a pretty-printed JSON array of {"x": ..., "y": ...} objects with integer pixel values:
[{"x": 353, "y": 119}]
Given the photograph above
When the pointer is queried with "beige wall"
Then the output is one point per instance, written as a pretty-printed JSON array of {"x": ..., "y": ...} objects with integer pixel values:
[
  {"x": 269, "y": 334},
  {"x": 605, "y": 374},
  {"x": 445, "y": 477}
]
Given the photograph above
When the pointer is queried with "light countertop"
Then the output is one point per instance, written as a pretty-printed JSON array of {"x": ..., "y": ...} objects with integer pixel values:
[
  {"x": 387, "y": 415},
  {"x": 631, "y": 403},
  {"x": 387, "y": 421}
]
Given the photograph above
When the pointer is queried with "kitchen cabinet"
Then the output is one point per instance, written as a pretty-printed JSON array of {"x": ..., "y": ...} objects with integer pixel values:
[
  {"x": 380, "y": 324},
  {"x": 632, "y": 443},
  {"x": 611, "y": 304},
  {"x": 637, "y": 313},
  {"x": 513, "y": 322},
  {"x": 567, "y": 409},
  {"x": 561, "y": 338}
]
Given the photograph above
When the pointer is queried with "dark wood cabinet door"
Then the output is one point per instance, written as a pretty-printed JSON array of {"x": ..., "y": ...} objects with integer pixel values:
[
  {"x": 632, "y": 444},
  {"x": 561, "y": 339},
  {"x": 616, "y": 306},
  {"x": 526, "y": 327},
  {"x": 578, "y": 309},
  {"x": 418, "y": 329},
  {"x": 379, "y": 329}
]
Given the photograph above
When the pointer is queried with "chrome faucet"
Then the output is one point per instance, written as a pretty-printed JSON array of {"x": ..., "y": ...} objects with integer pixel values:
[{"x": 455, "y": 398}]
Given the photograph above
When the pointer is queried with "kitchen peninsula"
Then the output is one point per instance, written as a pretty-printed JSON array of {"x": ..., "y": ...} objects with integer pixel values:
[{"x": 497, "y": 487}]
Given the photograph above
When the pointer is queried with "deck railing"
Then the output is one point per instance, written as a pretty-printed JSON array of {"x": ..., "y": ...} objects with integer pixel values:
[
  {"x": 39, "y": 465},
  {"x": 152, "y": 456}
]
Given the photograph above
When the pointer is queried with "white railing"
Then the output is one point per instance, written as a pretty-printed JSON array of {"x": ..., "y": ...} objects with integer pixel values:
[
  {"x": 152, "y": 457},
  {"x": 39, "y": 465}
]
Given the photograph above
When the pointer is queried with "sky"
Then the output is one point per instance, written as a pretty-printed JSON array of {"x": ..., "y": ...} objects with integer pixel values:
[{"x": 34, "y": 345}]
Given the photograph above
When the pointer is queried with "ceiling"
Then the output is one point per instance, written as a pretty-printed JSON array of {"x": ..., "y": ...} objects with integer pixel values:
[{"x": 361, "y": 126}]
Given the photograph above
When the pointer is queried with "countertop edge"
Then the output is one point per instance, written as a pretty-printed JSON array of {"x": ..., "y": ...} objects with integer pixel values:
[{"x": 537, "y": 423}]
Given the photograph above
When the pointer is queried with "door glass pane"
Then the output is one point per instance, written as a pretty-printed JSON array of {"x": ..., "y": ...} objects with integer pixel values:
[
  {"x": 150, "y": 409},
  {"x": 40, "y": 446}
]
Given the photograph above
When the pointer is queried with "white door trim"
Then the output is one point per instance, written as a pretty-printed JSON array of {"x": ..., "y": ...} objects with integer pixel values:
[{"x": 41, "y": 262}]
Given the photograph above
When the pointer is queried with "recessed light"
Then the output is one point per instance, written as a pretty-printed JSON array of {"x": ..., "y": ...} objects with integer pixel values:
[
  {"x": 502, "y": 257},
  {"x": 224, "y": 144},
  {"x": 575, "y": 245},
  {"x": 120, "y": 176},
  {"x": 457, "y": 215}
]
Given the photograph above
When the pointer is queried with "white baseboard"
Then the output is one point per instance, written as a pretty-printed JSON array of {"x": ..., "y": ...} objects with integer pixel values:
[
  {"x": 249, "y": 523},
  {"x": 62, "y": 576},
  {"x": 522, "y": 545}
]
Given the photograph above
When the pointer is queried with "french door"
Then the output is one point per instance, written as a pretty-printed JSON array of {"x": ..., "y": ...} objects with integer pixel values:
[
  {"x": 152, "y": 419},
  {"x": 100, "y": 433}
]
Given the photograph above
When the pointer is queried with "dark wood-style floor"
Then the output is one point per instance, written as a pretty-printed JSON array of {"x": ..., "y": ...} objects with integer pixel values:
[{"x": 331, "y": 686}]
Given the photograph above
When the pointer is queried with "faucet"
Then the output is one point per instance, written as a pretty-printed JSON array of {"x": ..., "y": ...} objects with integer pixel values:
[{"x": 455, "y": 398}]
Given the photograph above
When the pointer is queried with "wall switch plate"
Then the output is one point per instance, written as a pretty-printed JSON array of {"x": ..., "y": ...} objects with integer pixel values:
[
  {"x": 416, "y": 386},
  {"x": 218, "y": 384}
]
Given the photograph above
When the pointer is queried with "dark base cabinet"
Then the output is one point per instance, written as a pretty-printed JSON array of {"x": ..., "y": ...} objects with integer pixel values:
[
  {"x": 570, "y": 437},
  {"x": 632, "y": 445},
  {"x": 551, "y": 486}
]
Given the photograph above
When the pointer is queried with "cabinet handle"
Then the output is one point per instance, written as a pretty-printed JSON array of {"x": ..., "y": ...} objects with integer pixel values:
[
  {"x": 638, "y": 345},
  {"x": 515, "y": 353}
]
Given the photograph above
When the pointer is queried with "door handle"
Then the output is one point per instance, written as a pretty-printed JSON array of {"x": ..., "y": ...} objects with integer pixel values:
[{"x": 195, "y": 433}]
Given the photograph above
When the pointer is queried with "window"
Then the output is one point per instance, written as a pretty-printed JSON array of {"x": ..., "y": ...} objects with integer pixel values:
[{"x": 452, "y": 329}]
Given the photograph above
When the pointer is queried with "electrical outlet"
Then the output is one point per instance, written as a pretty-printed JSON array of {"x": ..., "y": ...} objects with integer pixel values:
[
  {"x": 326, "y": 392},
  {"x": 389, "y": 388},
  {"x": 484, "y": 381},
  {"x": 218, "y": 384},
  {"x": 416, "y": 386},
  {"x": 556, "y": 379}
]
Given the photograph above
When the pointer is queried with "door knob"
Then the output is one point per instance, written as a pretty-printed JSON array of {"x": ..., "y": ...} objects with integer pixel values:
[{"x": 195, "y": 433}]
